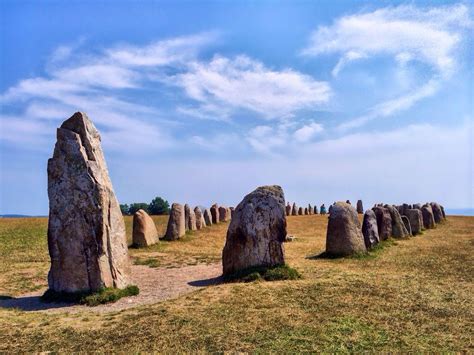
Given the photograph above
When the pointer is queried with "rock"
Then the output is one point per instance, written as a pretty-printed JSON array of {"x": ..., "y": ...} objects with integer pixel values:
[
  {"x": 176, "y": 223},
  {"x": 384, "y": 222},
  {"x": 398, "y": 228},
  {"x": 256, "y": 233},
  {"x": 406, "y": 222},
  {"x": 310, "y": 209},
  {"x": 315, "y": 209},
  {"x": 200, "y": 222},
  {"x": 417, "y": 206},
  {"x": 360, "y": 207},
  {"x": 416, "y": 220},
  {"x": 306, "y": 212},
  {"x": 370, "y": 229},
  {"x": 300, "y": 211},
  {"x": 215, "y": 213},
  {"x": 223, "y": 214},
  {"x": 207, "y": 217},
  {"x": 144, "y": 230},
  {"x": 232, "y": 210},
  {"x": 344, "y": 236},
  {"x": 294, "y": 210},
  {"x": 288, "y": 209},
  {"x": 86, "y": 232},
  {"x": 437, "y": 212},
  {"x": 442, "y": 211},
  {"x": 322, "y": 209},
  {"x": 348, "y": 202},
  {"x": 428, "y": 217},
  {"x": 190, "y": 218}
]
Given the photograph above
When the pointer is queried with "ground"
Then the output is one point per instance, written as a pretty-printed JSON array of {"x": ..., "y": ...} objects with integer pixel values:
[{"x": 412, "y": 295}]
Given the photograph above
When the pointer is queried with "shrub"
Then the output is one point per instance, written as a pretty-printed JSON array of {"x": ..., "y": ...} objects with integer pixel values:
[
  {"x": 275, "y": 273},
  {"x": 105, "y": 295}
]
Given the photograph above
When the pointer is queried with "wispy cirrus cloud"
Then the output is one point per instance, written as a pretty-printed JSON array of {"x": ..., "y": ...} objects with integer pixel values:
[{"x": 430, "y": 36}]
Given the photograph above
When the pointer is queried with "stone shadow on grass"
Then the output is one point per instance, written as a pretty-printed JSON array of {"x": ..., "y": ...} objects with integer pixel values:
[
  {"x": 323, "y": 255},
  {"x": 207, "y": 282},
  {"x": 30, "y": 303}
]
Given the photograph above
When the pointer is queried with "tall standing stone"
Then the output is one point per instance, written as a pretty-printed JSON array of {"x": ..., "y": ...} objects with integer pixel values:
[
  {"x": 306, "y": 212},
  {"x": 223, "y": 214},
  {"x": 416, "y": 220},
  {"x": 344, "y": 236},
  {"x": 208, "y": 217},
  {"x": 190, "y": 218},
  {"x": 384, "y": 222},
  {"x": 398, "y": 228},
  {"x": 407, "y": 224},
  {"x": 310, "y": 209},
  {"x": 288, "y": 209},
  {"x": 315, "y": 209},
  {"x": 200, "y": 222},
  {"x": 256, "y": 233},
  {"x": 370, "y": 229},
  {"x": 428, "y": 217},
  {"x": 322, "y": 209},
  {"x": 144, "y": 230},
  {"x": 215, "y": 213},
  {"x": 86, "y": 232},
  {"x": 176, "y": 223},
  {"x": 300, "y": 211},
  {"x": 437, "y": 212},
  {"x": 294, "y": 209},
  {"x": 360, "y": 207},
  {"x": 187, "y": 210}
]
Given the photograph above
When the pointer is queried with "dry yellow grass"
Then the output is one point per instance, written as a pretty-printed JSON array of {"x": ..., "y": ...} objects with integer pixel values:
[{"x": 416, "y": 295}]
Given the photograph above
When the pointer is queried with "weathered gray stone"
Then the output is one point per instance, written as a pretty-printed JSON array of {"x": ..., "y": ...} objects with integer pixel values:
[
  {"x": 294, "y": 209},
  {"x": 428, "y": 217},
  {"x": 300, "y": 211},
  {"x": 215, "y": 213},
  {"x": 144, "y": 230},
  {"x": 344, "y": 236},
  {"x": 208, "y": 217},
  {"x": 360, "y": 207},
  {"x": 306, "y": 212},
  {"x": 288, "y": 209},
  {"x": 384, "y": 222},
  {"x": 437, "y": 212},
  {"x": 256, "y": 233},
  {"x": 310, "y": 209},
  {"x": 370, "y": 229},
  {"x": 223, "y": 214},
  {"x": 416, "y": 220},
  {"x": 442, "y": 211},
  {"x": 398, "y": 228},
  {"x": 200, "y": 222},
  {"x": 86, "y": 232},
  {"x": 322, "y": 209},
  {"x": 190, "y": 218},
  {"x": 417, "y": 206},
  {"x": 176, "y": 223},
  {"x": 315, "y": 211},
  {"x": 406, "y": 222}
]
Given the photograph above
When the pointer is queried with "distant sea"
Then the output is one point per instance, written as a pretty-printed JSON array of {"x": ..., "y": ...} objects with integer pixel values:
[{"x": 460, "y": 211}]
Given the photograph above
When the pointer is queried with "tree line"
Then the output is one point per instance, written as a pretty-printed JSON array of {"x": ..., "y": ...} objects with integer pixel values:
[{"x": 158, "y": 206}]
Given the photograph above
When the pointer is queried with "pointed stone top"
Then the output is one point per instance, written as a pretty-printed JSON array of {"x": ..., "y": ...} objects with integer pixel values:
[{"x": 80, "y": 124}]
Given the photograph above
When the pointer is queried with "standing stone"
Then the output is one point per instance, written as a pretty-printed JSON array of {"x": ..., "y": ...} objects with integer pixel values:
[
  {"x": 406, "y": 222},
  {"x": 315, "y": 209},
  {"x": 384, "y": 222},
  {"x": 347, "y": 201},
  {"x": 294, "y": 209},
  {"x": 223, "y": 217},
  {"x": 229, "y": 214},
  {"x": 360, "y": 207},
  {"x": 310, "y": 209},
  {"x": 428, "y": 217},
  {"x": 398, "y": 228},
  {"x": 86, "y": 232},
  {"x": 417, "y": 206},
  {"x": 370, "y": 230},
  {"x": 442, "y": 211},
  {"x": 200, "y": 222},
  {"x": 288, "y": 209},
  {"x": 215, "y": 213},
  {"x": 300, "y": 211},
  {"x": 344, "y": 236},
  {"x": 256, "y": 233},
  {"x": 232, "y": 210},
  {"x": 176, "y": 223},
  {"x": 416, "y": 220},
  {"x": 437, "y": 212},
  {"x": 191, "y": 220},
  {"x": 144, "y": 230},
  {"x": 208, "y": 217},
  {"x": 306, "y": 212},
  {"x": 322, "y": 209},
  {"x": 187, "y": 211}
]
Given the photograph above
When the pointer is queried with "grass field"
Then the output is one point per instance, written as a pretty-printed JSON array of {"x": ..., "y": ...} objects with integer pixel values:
[{"x": 412, "y": 295}]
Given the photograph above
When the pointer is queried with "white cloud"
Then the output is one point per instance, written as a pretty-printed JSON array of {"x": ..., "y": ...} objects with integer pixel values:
[
  {"x": 431, "y": 36},
  {"x": 307, "y": 132},
  {"x": 244, "y": 83}
]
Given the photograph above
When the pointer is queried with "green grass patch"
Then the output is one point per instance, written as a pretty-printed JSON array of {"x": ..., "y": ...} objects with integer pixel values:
[
  {"x": 105, "y": 295},
  {"x": 150, "y": 262},
  {"x": 281, "y": 272}
]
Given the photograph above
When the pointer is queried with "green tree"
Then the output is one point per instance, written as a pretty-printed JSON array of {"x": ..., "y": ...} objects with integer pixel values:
[
  {"x": 159, "y": 206},
  {"x": 125, "y": 209},
  {"x": 134, "y": 207}
]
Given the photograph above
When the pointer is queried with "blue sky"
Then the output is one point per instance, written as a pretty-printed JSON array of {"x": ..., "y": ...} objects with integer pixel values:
[{"x": 201, "y": 102}]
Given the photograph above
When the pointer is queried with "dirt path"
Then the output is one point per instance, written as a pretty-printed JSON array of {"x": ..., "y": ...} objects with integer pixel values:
[{"x": 156, "y": 284}]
